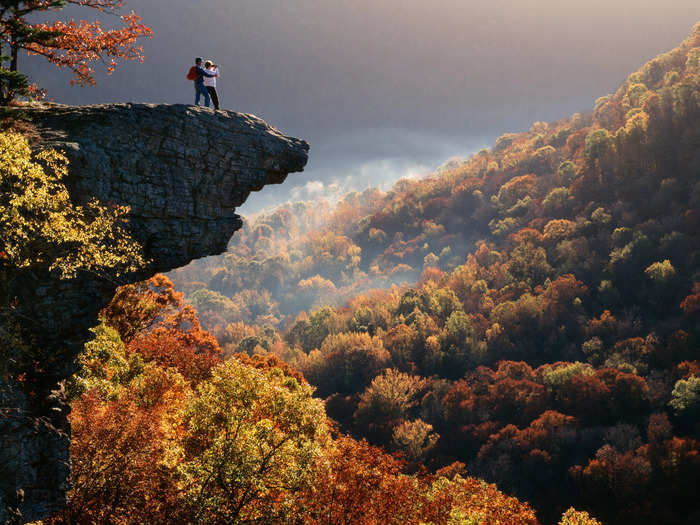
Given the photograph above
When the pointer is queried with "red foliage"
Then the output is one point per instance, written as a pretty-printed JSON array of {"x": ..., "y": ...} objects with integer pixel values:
[
  {"x": 356, "y": 483},
  {"x": 135, "y": 307},
  {"x": 179, "y": 341},
  {"x": 525, "y": 235},
  {"x": 691, "y": 304},
  {"x": 561, "y": 292}
]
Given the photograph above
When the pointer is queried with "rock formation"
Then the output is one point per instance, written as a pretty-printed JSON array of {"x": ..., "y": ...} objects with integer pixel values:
[{"x": 183, "y": 171}]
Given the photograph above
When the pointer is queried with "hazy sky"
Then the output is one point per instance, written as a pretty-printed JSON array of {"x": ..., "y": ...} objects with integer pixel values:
[{"x": 385, "y": 88}]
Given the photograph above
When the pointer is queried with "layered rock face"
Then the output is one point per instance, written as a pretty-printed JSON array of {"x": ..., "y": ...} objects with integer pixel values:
[{"x": 183, "y": 171}]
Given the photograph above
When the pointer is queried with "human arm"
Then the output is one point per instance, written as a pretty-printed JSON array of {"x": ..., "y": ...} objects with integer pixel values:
[{"x": 205, "y": 73}]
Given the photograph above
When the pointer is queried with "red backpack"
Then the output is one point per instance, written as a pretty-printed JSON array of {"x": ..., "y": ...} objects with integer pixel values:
[{"x": 192, "y": 73}]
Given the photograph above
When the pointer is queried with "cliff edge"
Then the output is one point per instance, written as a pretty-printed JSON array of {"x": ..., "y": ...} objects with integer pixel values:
[{"x": 183, "y": 171}]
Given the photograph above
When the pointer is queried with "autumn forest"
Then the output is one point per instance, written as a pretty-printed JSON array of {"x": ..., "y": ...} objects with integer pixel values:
[
  {"x": 549, "y": 343},
  {"x": 510, "y": 340}
]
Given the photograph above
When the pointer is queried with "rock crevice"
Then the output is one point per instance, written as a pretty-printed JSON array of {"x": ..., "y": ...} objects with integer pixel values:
[{"x": 183, "y": 171}]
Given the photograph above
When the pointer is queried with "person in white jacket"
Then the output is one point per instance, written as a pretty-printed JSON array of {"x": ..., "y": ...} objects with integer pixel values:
[{"x": 210, "y": 82}]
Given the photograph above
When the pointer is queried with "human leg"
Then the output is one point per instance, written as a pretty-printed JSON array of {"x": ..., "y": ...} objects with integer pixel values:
[
  {"x": 202, "y": 91},
  {"x": 207, "y": 99},
  {"x": 214, "y": 96}
]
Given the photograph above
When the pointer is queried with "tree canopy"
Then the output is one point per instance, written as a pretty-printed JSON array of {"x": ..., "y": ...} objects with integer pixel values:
[{"x": 65, "y": 43}]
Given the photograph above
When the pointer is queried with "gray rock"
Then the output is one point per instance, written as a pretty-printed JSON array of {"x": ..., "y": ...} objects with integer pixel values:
[{"x": 183, "y": 170}]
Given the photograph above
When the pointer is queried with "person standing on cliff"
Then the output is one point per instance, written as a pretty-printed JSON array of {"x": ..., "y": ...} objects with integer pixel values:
[
  {"x": 210, "y": 82},
  {"x": 199, "y": 88}
]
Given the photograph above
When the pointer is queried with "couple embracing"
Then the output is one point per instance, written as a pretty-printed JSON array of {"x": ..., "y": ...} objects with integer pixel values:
[{"x": 205, "y": 82}]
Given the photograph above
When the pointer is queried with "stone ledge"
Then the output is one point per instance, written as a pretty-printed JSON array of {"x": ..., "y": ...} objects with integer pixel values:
[{"x": 183, "y": 171}]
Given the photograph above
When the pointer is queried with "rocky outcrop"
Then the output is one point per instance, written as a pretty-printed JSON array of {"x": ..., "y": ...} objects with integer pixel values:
[{"x": 183, "y": 171}]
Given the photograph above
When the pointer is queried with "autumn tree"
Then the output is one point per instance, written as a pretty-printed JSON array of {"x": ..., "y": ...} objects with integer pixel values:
[
  {"x": 41, "y": 230},
  {"x": 355, "y": 483},
  {"x": 136, "y": 307},
  {"x": 575, "y": 517},
  {"x": 579, "y": 297},
  {"x": 414, "y": 439},
  {"x": 117, "y": 450},
  {"x": 472, "y": 501},
  {"x": 71, "y": 44},
  {"x": 41, "y": 226},
  {"x": 346, "y": 362},
  {"x": 120, "y": 403},
  {"x": 387, "y": 401},
  {"x": 180, "y": 342},
  {"x": 245, "y": 443},
  {"x": 685, "y": 399}
]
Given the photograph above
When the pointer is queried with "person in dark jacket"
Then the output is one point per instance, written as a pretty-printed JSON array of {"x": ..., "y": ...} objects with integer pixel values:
[{"x": 199, "y": 88}]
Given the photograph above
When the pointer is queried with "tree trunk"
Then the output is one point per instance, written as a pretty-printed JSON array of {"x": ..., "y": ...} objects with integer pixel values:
[
  {"x": 3, "y": 94},
  {"x": 13, "y": 58}
]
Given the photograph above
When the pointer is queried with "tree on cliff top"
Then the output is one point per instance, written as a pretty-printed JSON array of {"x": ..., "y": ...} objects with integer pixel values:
[{"x": 72, "y": 44}]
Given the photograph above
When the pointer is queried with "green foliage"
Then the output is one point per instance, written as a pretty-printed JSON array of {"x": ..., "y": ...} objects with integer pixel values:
[
  {"x": 556, "y": 200},
  {"x": 205, "y": 299},
  {"x": 481, "y": 362},
  {"x": 503, "y": 227},
  {"x": 458, "y": 329},
  {"x": 685, "y": 397},
  {"x": 12, "y": 84},
  {"x": 529, "y": 263},
  {"x": 389, "y": 397},
  {"x": 350, "y": 361},
  {"x": 567, "y": 171},
  {"x": 444, "y": 304},
  {"x": 554, "y": 376},
  {"x": 244, "y": 443},
  {"x": 105, "y": 365},
  {"x": 600, "y": 216},
  {"x": 311, "y": 333},
  {"x": 599, "y": 144}
]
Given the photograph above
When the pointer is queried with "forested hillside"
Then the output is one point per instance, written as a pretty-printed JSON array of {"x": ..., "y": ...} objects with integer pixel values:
[
  {"x": 166, "y": 431},
  {"x": 550, "y": 342}
]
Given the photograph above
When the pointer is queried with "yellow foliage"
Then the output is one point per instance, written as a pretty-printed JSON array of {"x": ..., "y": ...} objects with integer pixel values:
[
  {"x": 575, "y": 517},
  {"x": 41, "y": 226},
  {"x": 559, "y": 229}
]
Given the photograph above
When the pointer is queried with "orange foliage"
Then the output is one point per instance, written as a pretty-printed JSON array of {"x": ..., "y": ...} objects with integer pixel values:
[
  {"x": 356, "y": 483},
  {"x": 135, "y": 307},
  {"x": 78, "y": 43},
  {"x": 479, "y": 499},
  {"x": 180, "y": 342},
  {"x": 691, "y": 304},
  {"x": 116, "y": 455},
  {"x": 267, "y": 361}
]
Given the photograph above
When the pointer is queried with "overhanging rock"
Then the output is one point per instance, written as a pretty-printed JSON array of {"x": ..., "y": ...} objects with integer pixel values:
[{"x": 183, "y": 171}]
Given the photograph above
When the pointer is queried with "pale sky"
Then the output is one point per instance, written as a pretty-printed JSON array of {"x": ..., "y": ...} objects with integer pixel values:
[{"x": 386, "y": 88}]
